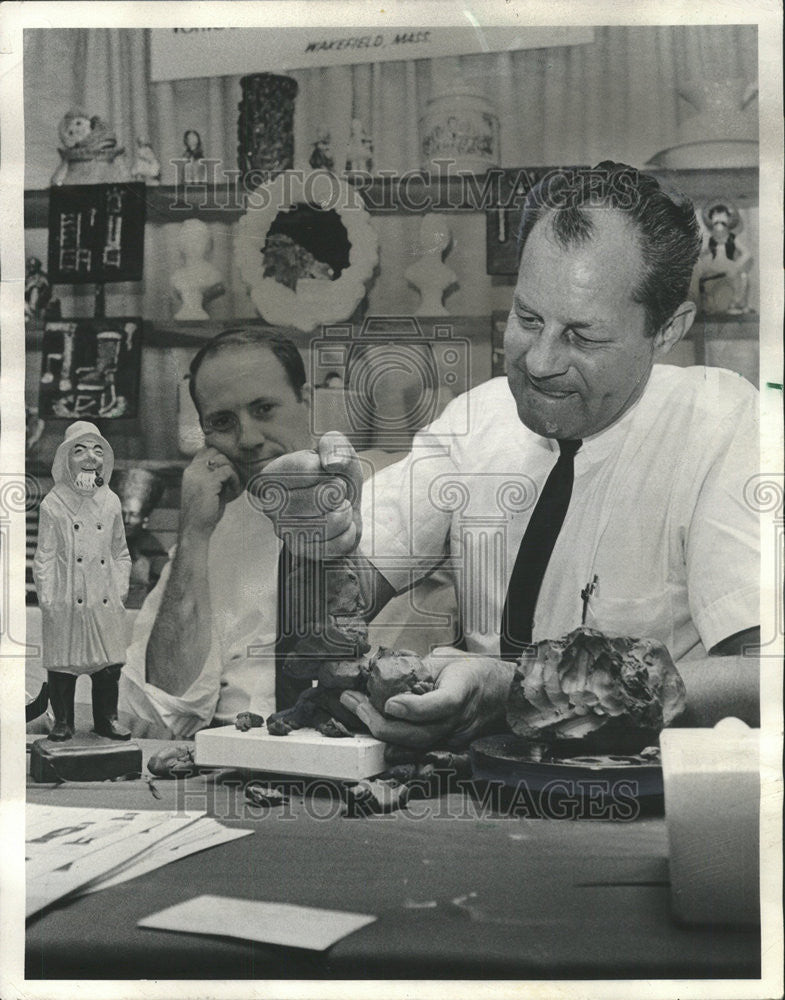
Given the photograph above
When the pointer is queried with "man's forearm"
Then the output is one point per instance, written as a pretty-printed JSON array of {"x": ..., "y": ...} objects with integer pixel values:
[
  {"x": 181, "y": 635},
  {"x": 720, "y": 686}
]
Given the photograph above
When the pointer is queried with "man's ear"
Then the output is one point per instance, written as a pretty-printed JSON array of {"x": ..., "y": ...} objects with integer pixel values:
[
  {"x": 306, "y": 394},
  {"x": 676, "y": 328}
]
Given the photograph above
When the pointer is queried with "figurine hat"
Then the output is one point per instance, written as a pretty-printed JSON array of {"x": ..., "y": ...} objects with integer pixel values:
[
  {"x": 734, "y": 219},
  {"x": 80, "y": 429}
]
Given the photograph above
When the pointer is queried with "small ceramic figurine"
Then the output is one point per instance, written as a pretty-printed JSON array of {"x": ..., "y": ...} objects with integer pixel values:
[
  {"x": 89, "y": 152},
  {"x": 81, "y": 571},
  {"x": 198, "y": 280},
  {"x": 38, "y": 291},
  {"x": 195, "y": 171},
  {"x": 430, "y": 275},
  {"x": 146, "y": 166},
  {"x": 359, "y": 150},
  {"x": 722, "y": 271},
  {"x": 322, "y": 157}
]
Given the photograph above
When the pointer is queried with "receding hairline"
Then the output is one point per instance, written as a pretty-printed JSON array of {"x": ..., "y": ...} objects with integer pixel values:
[
  {"x": 237, "y": 346},
  {"x": 585, "y": 239}
]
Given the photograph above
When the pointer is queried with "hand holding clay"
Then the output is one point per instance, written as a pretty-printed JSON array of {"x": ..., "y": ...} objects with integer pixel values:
[
  {"x": 468, "y": 700},
  {"x": 313, "y": 498}
]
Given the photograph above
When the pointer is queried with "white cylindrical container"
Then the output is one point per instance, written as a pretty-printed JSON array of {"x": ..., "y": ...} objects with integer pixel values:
[
  {"x": 463, "y": 129},
  {"x": 711, "y": 779}
]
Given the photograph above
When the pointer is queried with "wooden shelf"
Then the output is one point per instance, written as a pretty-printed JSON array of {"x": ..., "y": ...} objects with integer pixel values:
[
  {"x": 165, "y": 333},
  {"x": 412, "y": 193}
]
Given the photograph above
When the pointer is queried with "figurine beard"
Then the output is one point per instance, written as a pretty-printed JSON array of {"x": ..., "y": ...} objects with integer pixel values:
[{"x": 87, "y": 480}]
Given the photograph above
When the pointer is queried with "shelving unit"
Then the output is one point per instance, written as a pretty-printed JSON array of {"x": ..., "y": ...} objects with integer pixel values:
[
  {"x": 152, "y": 433},
  {"x": 412, "y": 193}
]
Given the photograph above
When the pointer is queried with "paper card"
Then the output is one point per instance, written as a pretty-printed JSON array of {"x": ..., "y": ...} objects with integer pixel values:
[{"x": 254, "y": 920}]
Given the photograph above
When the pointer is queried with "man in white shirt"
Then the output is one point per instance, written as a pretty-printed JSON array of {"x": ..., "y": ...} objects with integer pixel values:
[
  {"x": 203, "y": 647},
  {"x": 658, "y": 538}
]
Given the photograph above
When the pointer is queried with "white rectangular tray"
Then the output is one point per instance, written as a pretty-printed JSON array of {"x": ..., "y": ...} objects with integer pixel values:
[{"x": 302, "y": 752}]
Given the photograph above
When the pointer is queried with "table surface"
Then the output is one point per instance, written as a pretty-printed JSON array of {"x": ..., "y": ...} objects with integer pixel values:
[{"x": 459, "y": 893}]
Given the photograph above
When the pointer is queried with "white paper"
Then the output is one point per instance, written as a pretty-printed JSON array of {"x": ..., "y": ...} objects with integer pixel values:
[
  {"x": 68, "y": 848},
  {"x": 253, "y": 920},
  {"x": 198, "y": 837}
]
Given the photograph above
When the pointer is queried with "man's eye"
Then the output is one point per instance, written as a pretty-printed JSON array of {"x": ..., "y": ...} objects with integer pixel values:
[
  {"x": 529, "y": 322},
  {"x": 578, "y": 338},
  {"x": 264, "y": 409},
  {"x": 220, "y": 422}
]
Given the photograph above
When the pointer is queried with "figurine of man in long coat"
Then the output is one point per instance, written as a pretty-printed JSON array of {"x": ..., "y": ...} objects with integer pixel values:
[{"x": 81, "y": 570}]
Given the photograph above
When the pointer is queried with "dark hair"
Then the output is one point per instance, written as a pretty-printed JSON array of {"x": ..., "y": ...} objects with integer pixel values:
[
  {"x": 668, "y": 231},
  {"x": 198, "y": 153},
  {"x": 716, "y": 209},
  {"x": 244, "y": 336}
]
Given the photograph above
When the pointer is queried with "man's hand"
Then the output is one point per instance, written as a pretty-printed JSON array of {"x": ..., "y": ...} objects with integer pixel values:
[
  {"x": 469, "y": 700},
  {"x": 313, "y": 498},
  {"x": 209, "y": 482}
]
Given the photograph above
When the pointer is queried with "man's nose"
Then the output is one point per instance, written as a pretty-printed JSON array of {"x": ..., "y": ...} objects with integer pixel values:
[
  {"x": 545, "y": 357},
  {"x": 249, "y": 433}
]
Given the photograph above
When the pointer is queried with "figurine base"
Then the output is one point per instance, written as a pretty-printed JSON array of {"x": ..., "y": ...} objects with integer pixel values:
[
  {"x": 94, "y": 760},
  {"x": 305, "y": 752}
]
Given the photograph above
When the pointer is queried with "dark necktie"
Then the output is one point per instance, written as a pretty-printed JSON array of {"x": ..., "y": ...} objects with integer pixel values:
[{"x": 535, "y": 551}]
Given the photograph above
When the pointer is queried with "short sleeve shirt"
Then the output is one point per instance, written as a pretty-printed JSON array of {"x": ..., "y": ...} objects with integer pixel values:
[{"x": 658, "y": 514}]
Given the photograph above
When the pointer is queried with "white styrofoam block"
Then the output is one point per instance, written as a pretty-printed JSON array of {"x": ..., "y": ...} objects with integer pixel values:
[
  {"x": 304, "y": 752},
  {"x": 711, "y": 779}
]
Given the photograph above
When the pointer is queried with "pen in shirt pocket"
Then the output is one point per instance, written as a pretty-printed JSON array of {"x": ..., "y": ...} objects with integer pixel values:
[{"x": 586, "y": 595}]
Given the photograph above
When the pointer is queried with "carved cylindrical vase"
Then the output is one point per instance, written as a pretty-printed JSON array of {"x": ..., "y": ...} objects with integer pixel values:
[
  {"x": 462, "y": 131},
  {"x": 265, "y": 127}
]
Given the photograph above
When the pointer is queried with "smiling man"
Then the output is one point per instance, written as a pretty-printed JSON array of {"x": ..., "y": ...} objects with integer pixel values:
[
  {"x": 204, "y": 641},
  {"x": 592, "y": 485}
]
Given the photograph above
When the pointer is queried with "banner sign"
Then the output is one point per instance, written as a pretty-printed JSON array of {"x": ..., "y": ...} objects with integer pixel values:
[{"x": 184, "y": 53}]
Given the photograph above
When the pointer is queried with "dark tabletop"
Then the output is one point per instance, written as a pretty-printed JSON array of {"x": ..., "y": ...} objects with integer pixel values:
[{"x": 460, "y": 892}]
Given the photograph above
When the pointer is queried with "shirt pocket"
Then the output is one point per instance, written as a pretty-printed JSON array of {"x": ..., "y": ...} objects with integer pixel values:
[{"x": 649, "y": 616}]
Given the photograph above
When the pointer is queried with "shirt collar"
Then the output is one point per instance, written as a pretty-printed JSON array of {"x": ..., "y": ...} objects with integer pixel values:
[{"x": 597, "y": 447}]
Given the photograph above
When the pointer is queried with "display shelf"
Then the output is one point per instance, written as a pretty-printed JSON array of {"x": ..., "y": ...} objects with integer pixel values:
[
  {"x": 411, "y": 193},
  {"x": 747, "y": 320},
  {"x": 169, "y": 333}
]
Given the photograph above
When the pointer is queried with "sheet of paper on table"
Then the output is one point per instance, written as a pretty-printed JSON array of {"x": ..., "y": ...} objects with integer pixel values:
[
  {"x": 197, "y": 837},
  {"x": 255, "y": 920},
  {"x": 69, "y": 850}
]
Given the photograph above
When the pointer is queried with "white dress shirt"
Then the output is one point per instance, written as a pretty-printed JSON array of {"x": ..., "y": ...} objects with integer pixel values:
[
  {"x": 658, "y": 514},
  {"x": 239, "y": 672}
]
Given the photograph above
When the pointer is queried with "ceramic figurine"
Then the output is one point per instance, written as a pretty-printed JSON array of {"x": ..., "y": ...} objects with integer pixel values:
[
  {"x": 146, "y": 166},
  {"x": 89, "y": 152},
  {"x": 38, "y": 291},
  {"x": 430, "y": 275},
  {"x": 81, "y": 571},
  {"x": 359, "y": 150},
  {"x": 322, "y": 157},
  {"x": 198, "y": 280},
  {"x": 722, "y": 271},
  {"x": 195, "y": 171}
]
